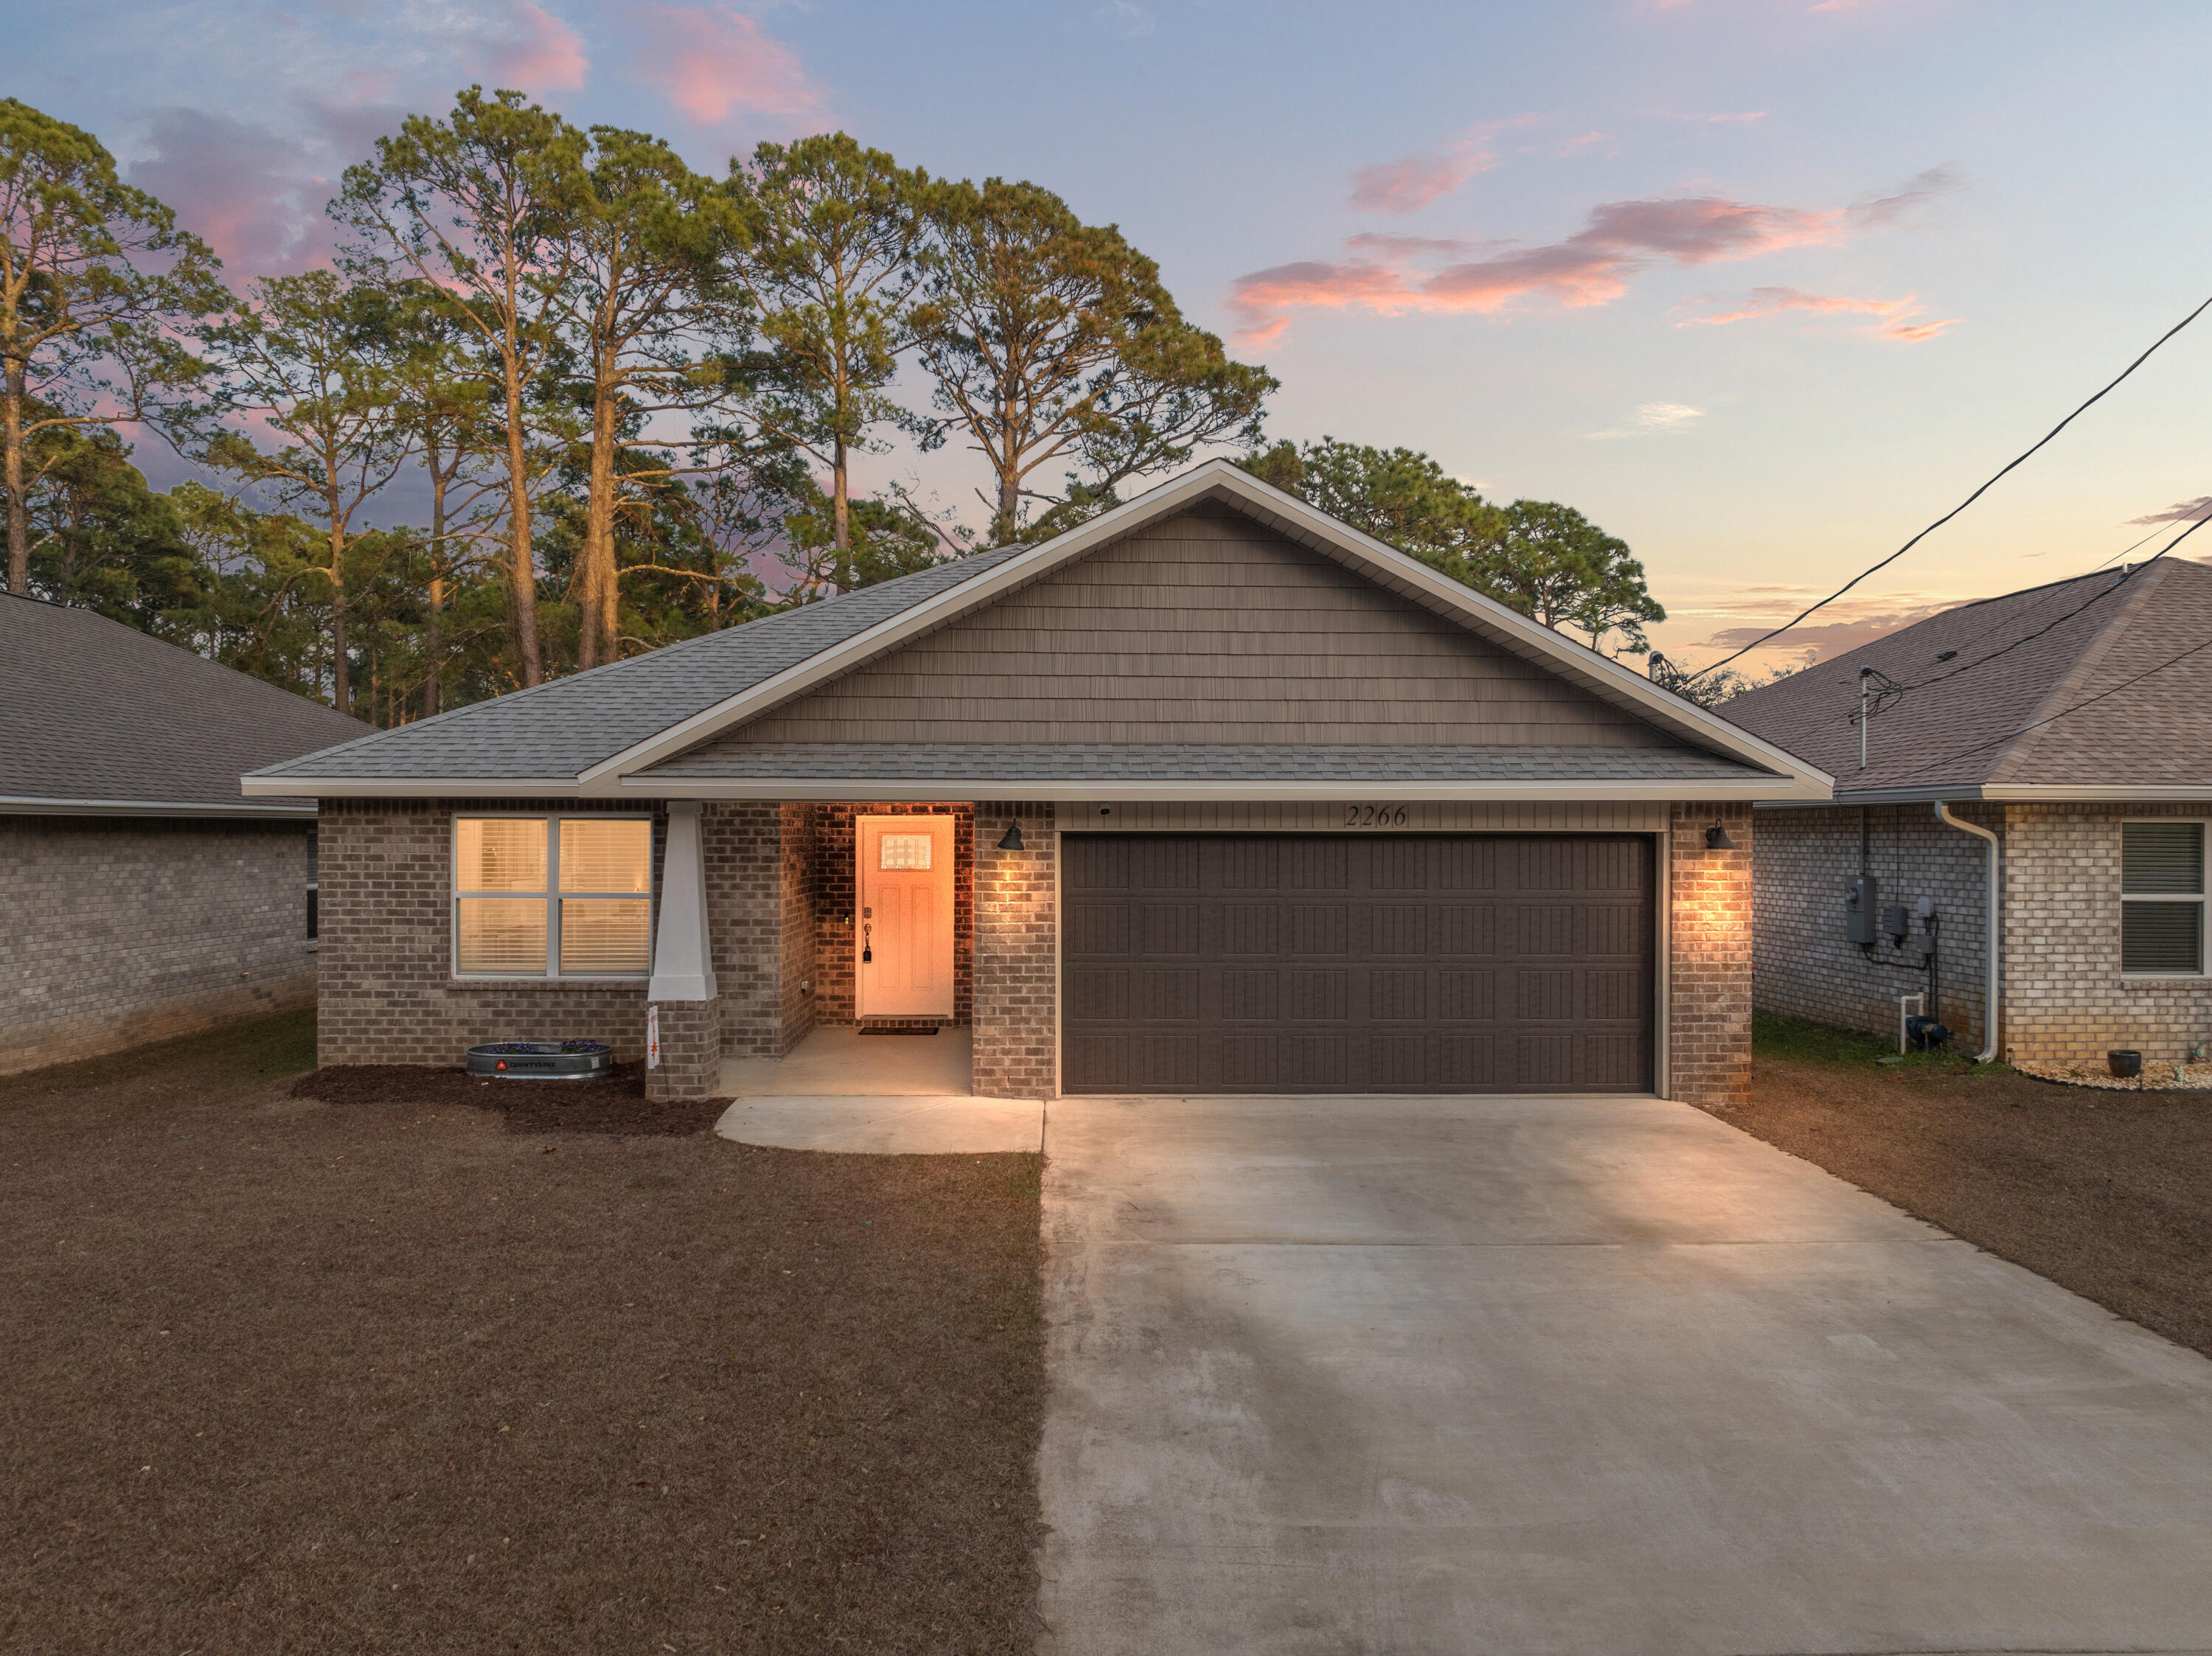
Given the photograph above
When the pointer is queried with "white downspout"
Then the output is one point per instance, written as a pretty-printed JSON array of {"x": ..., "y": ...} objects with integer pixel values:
[{"x": 1990, "y": 992}]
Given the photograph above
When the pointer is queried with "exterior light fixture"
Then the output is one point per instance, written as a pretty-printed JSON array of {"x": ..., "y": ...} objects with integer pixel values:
[
  {"x": 1716, "y": 839},
  {"x": 1012, "y": 841}
]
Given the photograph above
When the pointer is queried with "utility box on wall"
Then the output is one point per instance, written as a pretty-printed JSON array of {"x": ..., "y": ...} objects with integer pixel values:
[{"x": 1861, "y": 898}]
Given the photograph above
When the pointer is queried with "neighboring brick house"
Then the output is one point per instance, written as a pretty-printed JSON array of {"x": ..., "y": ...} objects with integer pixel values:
[
  {"x": 2074, "y": 723},
  {"x": 144, "y": 896},
  {"x": 1211, "y": 794}
]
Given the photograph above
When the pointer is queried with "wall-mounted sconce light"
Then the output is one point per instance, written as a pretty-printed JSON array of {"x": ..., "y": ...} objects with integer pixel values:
[
  {"x": 1716, "y": 839},
  {"x": 1012, "y": 841}
]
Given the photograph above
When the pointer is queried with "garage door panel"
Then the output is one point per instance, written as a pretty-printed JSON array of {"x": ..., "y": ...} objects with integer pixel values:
[
  {"x": 1168, "y": 929},
  {"x": 1251, "y": 994},
  {"x": 1318, "y": 996},
  {"x": 1162, "y": 996},
  {"x": 1320, "y": 929},
  {"x": 1403, "y": 962},
  {"x": 1097, "y": 931},
  {"x": 1252, "y": 929},
  {"x": 1466, "y": 995},
  {"x": 1396, "y": 928},
  {"x": 1396, "y": 994}
]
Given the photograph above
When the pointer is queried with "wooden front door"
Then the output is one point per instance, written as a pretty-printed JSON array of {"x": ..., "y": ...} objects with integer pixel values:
[{"x": 904, "y": 964}]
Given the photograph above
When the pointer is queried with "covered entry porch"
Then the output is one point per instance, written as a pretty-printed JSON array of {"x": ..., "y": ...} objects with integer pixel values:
[{"x": 788, "y": 929}]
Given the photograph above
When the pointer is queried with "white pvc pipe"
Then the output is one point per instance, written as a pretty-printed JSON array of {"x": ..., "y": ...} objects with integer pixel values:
[{"x": 1990, "y": 992}]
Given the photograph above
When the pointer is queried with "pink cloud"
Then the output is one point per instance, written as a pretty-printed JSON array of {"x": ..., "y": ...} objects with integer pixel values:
[
  {"x": 1893, "y": 318},
  {"x": 1411, "y": 183},
  {"x": 710, "y": 60},
  {"x": 1591, "y": 267},
  {"x": 517, "y": 43},
  {"x": 1407, "y": 185},
  {"x": 2182, "y": 511},
  {"x": 1594, "y": 266}
]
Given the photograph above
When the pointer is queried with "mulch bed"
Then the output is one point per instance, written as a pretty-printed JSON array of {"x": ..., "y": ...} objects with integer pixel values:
[
  {"x": 286, "y": 1374},
  {"x": 616, "y": 1105},
  {"x": 2106, "y": 1193}
]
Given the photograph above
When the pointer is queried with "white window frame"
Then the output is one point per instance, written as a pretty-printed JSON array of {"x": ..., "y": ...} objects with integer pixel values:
[
  {"x": 2202, "y": 898},
  {"x": 551, "y": 896}
]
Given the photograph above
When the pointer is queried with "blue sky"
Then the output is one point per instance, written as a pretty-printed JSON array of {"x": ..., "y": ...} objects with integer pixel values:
[{"x": 1761, "y": 285}]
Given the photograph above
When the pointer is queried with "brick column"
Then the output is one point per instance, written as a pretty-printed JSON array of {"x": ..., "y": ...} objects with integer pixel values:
[
  {"x": 690, "y": 1052},
  {"x": 1016, "y": 971},
  {"x": 1708, "y": 953}
]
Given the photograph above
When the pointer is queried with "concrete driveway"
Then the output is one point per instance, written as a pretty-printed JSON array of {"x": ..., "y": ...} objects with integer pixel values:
[{"x": 1597, "y": 1376}]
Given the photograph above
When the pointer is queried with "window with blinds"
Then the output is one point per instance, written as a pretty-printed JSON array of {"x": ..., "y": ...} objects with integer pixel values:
[
  {"x": 559, "y": 896},
  {"x": 2162, "y": 898}
]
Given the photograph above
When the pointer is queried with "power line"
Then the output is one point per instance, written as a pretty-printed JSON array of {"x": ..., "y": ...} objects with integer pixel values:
[
  {"x": 1964, "y": 504},
  {"x": 2094, "y": 597},
  {"x": 2194, "y": 649}
]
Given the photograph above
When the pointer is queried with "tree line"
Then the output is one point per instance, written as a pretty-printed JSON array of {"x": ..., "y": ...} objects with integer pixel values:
[{"x": 624, "y": 399}]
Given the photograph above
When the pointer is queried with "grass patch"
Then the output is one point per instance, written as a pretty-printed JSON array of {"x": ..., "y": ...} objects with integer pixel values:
[
  {"x": 1801, "y": 1040},
  {"x": 286, "y": 1375}
]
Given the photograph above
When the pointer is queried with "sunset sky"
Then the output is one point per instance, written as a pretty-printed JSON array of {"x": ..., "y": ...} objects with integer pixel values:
[{"x": 1762, "y": 286}]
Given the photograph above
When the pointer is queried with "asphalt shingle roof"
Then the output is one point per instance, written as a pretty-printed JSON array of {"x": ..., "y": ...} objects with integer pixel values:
[
  {"x": 91, "y": 709},
  {"x": 1043, "y": 761},
  {"x": 565, "y": 727},
  {"x": 1986, "y": 724}
]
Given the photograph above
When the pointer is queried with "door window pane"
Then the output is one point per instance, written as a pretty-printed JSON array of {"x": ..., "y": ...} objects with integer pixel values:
[
  {"x": 602, "y": 856},
  {"x": 499, "y": 853},
  {"x": 903, "y": 850},
  {"x": 502, "y": 934},
  {"x": 2161, "y": 856},
  {"x": 600, "y": 934}
]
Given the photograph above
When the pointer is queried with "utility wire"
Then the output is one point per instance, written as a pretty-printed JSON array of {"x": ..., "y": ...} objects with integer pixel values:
[
  {"x": 2194, "y": 649},
  {"x": 1962, "y": 505},
  {"x": 2097, "y": 597}
]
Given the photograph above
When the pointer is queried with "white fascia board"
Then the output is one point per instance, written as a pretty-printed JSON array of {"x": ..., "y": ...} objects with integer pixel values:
[
  {"x": 2063, "y": 794},
  {"x": 1214, "y": 476},
  {"x": 414, "y": 787},
  {"x": 42, "y": 805},
  {"x": 937, "y": 790}
]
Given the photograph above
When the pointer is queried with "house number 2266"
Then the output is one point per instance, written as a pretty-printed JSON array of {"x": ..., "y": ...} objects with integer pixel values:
[{"x": 1375, "y": 816}]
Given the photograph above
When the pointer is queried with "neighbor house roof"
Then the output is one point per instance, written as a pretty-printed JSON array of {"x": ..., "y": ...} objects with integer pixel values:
[
  {"x": 2096, "y": 688},
  {"x": 104, "y": 719},
  {"x": 628, "y": 727}
]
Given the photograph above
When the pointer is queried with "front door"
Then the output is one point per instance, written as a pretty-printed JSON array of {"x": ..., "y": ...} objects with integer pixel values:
[{"x": 904, "y": 964}]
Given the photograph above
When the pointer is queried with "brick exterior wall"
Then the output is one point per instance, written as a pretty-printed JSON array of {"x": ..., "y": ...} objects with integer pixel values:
[
  {"x": 690, "y": 1052},
  {"x": 830, "y": 835},
  {"x": 742, "y": 847},
  {"x": 387, "y": 994},
  {"x": 2064, "y": 998},
  {"x": 1709, "y": 953},
  {"x": 1017, "y": 953},
  {"x": 1804, "y": 966},
  {"x": 799, "y": 945},
  {"x": 121, "y": 931},
  {"x": 2065, "y": 1001}
]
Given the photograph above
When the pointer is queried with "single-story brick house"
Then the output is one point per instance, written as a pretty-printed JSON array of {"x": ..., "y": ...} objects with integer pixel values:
[
  {"x": 1211, "y": 794},
  {"x": 2071, "y": 724},
  {"x": 145, "y": 897}
]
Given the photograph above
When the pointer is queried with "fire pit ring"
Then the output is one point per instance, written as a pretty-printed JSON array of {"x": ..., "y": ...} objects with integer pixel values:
[{"x": 543, "y": 1060}]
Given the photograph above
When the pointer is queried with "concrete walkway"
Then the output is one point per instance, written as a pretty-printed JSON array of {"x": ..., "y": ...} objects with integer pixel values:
[
  {"x": 1593, "y": 1377},
  {"x": 837, "y": 1060},
  {"x": 877, "y": 1125}
]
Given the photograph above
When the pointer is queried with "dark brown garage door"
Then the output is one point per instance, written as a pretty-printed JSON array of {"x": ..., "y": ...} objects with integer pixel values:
[{"x": 1279, "y": 963}]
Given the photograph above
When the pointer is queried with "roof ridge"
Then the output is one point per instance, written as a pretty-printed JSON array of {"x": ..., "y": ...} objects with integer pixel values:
[{"x": 2014, "y": 755}]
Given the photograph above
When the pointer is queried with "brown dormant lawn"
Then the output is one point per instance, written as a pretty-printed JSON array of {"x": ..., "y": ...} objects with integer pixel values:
[
  {"x": 286, "y": 1374},
  {"x": 2107, "y": 1193}
]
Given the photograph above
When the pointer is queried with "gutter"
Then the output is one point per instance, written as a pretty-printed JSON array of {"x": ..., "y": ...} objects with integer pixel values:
[
  {"x": 48, "y": 805},
  {"x": 1989, "y": 991}
]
